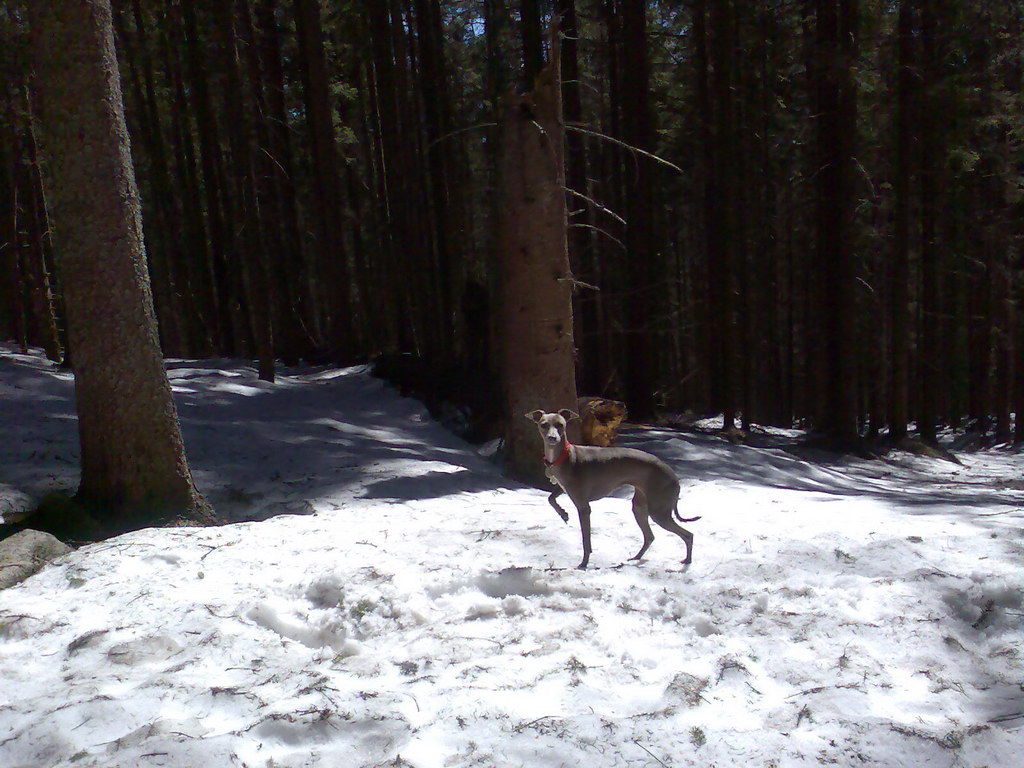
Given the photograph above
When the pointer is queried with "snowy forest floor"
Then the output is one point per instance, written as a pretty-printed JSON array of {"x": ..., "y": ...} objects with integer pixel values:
[{"x": 392, "y": 600}]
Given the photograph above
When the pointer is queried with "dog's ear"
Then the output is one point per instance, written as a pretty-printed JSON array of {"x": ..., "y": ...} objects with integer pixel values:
[
  {"x": 535, "y": 415},
  {"x": 568, "y": 415}
]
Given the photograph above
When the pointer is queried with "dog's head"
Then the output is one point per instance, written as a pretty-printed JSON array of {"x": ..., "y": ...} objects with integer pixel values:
[{"x": 552, "y": 425}]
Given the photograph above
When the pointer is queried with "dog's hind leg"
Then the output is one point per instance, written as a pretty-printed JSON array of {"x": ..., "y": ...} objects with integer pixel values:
[
  {"x": 663, "y": 517},
  {"x": 642, "y": 519}
]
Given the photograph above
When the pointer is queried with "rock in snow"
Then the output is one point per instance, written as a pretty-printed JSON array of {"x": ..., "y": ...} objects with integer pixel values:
[
  {"x": 25, "y": 553},
  {"x": 15, "y": 505}
]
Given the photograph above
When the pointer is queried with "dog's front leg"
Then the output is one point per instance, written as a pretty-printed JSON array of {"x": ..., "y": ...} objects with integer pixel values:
[{"x": 557, "y": 507}]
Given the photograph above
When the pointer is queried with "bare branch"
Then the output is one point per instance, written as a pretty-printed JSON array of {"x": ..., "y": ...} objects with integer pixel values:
[
  {"x": 598, "y": 229},
  {"x": 439, "y": 139},
  {"x": 630, "y": 147},
  {"x": 574, "y": 283},
  {"x": 596, "y": 204}
]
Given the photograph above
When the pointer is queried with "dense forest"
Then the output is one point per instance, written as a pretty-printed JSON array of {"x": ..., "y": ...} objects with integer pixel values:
[{"x": 788, "y": 212}]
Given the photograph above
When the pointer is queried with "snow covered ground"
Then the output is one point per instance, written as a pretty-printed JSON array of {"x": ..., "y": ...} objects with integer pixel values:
[{"x": 418, "y": 610}]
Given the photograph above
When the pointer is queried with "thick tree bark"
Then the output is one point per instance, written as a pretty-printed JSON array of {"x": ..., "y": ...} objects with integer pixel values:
[
  {"x": 536, "y": 312},
  {"x": 133, "y": 461}
]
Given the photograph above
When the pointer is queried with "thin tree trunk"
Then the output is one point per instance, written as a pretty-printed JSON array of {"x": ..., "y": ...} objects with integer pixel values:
[
  {"x": 265, "y": 213},
  {"x": 837, "y": 111},
  {"x": 402, "y": 246},
  {"x": 900, "y": 310},
  {"x": 645, "y": 284},
  {"x": 147, "y": 127},
  {"x": 224, "y": 296},
  {"x": 930, "y": 181},
  {"x": 36, "y": 251},
  {"x": 581, "y": 256},
  {"x": 325, "y": 171},
  {"x": 13, "y": 317},
  {"x": 201, "y": 326},
  {"x": 532, "y": 40},
  {"x": 239, "y": 129},
  {"x": 716, "y": 103},
  {"x": 289, "y": 268},
  {"x": 445, "y": 208}
]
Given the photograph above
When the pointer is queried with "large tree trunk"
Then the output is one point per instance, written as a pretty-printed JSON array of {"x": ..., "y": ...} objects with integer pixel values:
[
  {"x": 133, "y": 460},
  {"x": 536, "y": 312}
]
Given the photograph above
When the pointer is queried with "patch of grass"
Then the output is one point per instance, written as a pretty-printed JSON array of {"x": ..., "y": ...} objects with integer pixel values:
[
  {"x": 844, "y": 557},
  {"x": 360, "y": 609},
  {"x": 576, "y": 669}
]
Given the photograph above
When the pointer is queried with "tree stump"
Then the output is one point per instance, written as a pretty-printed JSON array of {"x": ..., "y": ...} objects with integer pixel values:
[{"x": 600, "y": 420}]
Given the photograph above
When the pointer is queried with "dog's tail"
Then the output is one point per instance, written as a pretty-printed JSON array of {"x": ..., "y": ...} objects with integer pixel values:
[{"x": 684, "y": 519}]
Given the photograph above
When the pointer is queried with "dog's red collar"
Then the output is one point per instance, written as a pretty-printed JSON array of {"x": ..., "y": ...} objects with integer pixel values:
[{"x": 560, "y": 459}]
